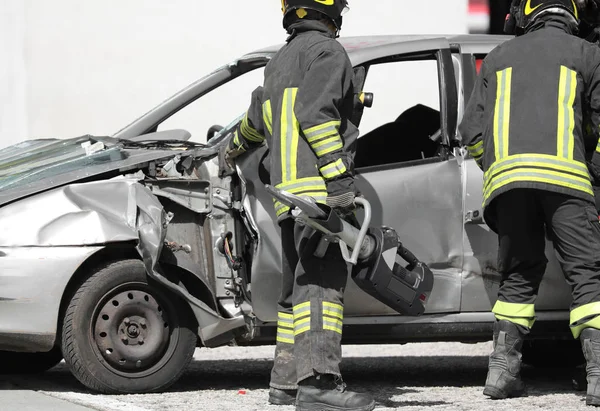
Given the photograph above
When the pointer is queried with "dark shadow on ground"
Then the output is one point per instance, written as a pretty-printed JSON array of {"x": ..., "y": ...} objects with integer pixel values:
[{"x": 385, "y": 377}]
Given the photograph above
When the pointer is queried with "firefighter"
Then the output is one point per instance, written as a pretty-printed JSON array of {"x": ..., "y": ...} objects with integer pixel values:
[
  {"x": 302, "y": 111},
  {"x": 523, "y": 126}
]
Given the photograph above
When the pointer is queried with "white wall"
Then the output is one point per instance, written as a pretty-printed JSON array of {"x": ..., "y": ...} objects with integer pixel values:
[{"x": 71, "y": 67}]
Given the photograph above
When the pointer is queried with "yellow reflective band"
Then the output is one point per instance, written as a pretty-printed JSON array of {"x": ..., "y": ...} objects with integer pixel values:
[
  {"x": 593, "y": 323},
  {"x": 514, "y": 309},
  {"x": 525, "y": 322},
  {"x": 289, "y": 135},
  {"x": 476, "y": 150},
  {"x": 540, "y": 176},
  {"x": 575, "y": 9},
  {"x": 328, "y": 145},
  {"x": 316, "y": 132},
  {"x": 250, "y": 133},
  {"x": 301, "y": 326},
  {"x": 332, "y": 324},
  {"x": 567, "y": 90},
  {"x": 301, "y": 184},
  {"x": 285, "y": 316},
  {"x": 301, "y": 308},
  {"x": 538, "y": 160},
  {"x": 334, "y": 307},
  {"x": 584, "y": 311},
  {"x": 502, "y": 112},
  {"x": 285, "y": 331},
  {"x": 334, "y": 169},
  {"x": 285, "y": 340},
  {"x": 285, "y": 324},
  {"x": 268, "y": 116}
]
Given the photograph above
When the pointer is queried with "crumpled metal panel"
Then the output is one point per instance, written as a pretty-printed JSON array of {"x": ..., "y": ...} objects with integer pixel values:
[
  {"x": 76, "y": 215},
  {"x": 103, "y": 212}
]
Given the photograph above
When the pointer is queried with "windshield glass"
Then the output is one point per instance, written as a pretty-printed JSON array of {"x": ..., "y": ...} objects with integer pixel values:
[{"x": 34, "y": 160}]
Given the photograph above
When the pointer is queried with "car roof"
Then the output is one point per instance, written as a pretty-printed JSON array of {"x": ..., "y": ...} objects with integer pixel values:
[{"x": 358, "y": 46}]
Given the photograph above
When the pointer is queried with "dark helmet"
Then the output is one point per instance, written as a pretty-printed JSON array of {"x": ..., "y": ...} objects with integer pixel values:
[
  {"x": 334, "y": 9},
  {"x": 523, "y": 13}
]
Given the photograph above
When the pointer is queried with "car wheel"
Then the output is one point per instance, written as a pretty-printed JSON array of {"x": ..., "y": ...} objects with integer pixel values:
[
  {"x": 29, "y": 363},
  {"x": 123, "y": 333},
  {"x": 552, "y": 353}
]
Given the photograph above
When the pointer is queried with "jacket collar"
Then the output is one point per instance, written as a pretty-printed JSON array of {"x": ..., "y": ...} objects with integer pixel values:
[{"x": 308, "y": 25}]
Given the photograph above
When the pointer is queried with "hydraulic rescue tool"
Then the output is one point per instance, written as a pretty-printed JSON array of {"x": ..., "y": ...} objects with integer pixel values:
[{"x": 403, "y": 288}]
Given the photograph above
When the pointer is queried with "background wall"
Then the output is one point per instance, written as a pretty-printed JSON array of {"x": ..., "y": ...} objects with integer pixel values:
[{"x": 71, "y": 67}]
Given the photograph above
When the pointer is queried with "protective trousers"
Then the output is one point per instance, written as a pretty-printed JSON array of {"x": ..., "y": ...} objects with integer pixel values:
[
  {"x": 311, "y": 312},
  {"x": 525, "y": 217}
]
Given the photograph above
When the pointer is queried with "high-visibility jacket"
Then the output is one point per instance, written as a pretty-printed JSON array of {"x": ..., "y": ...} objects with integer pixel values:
[
  {"x": 524, "y": 121},
  {"x": 303, "y": 111}
]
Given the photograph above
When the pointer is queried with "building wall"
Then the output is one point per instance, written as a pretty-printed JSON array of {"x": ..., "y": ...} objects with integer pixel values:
[{"x": 73, "y": 67}]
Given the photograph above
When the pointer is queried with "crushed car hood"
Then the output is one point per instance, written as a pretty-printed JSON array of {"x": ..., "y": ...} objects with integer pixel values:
[{"x": 34, "y": 166}]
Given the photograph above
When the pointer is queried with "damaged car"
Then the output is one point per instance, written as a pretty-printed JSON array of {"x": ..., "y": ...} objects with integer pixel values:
[{"x": 123, "y": 254}]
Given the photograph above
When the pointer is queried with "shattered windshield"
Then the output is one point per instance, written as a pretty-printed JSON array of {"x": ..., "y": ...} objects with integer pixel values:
[{"x": 34, "y": 160}]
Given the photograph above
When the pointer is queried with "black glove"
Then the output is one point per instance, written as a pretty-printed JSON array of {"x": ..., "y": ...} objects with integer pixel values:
[{"x": 341, "y": 193}]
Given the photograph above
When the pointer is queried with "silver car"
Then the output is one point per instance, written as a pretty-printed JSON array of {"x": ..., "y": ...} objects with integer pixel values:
[{"x": 123, "y": 254}]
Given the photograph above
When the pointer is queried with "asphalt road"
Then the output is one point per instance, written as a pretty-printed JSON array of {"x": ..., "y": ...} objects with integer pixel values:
[{"x": 440, "y": 376}]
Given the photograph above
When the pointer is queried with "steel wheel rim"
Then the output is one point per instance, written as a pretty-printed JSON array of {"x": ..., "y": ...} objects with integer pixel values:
[{"x": 134, "y": 330}]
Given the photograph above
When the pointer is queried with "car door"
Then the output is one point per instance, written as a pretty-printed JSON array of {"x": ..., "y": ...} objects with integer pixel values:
[
  {"x": 420, "y": 197},
  {"x": 408, "y": 174}
]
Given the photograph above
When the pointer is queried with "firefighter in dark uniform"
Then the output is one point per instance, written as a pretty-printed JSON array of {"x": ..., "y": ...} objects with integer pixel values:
[
  {"x": 303, "y": 112},
  {"x": 523, "y": 125}
]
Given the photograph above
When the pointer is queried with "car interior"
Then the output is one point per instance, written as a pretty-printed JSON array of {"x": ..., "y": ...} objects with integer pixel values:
[{"x": 411, "y": 136}]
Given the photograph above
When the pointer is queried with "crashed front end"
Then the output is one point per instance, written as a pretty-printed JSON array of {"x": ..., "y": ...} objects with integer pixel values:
[{"x": 63, "y": 202}]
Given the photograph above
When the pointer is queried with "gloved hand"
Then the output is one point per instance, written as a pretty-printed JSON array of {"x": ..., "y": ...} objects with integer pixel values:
[{"x": 341, "y": 193}]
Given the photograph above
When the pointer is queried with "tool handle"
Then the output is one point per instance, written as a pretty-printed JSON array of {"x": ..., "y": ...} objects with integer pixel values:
[{"x": 362, "y": 234}]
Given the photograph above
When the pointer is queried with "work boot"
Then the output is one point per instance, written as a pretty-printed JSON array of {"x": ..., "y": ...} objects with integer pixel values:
[
  {"x": 590, "y": 342},
  {"x": 282, "y": 397},
  {"x": 503, "y": 379},
  {"x": 328, "y": 393}
]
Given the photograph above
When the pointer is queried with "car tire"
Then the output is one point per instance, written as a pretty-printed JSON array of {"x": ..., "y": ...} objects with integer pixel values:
[
  {"x": 29, "y": 363},
  {"x": 552, "y": 353},
  {"x": 123, "y": 333}
]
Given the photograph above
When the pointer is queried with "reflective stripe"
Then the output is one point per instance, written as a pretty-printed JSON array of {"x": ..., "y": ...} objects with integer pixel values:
[
  {"x": 285, "y": 320},
  {"x": 285, "y": 335},
  {"x": 540, "y": 176},
  {"x": 304, "y": 184},
  {"x": 301, "y": 310},
  {"x": 476, "y": 150},
  {"x": 317, "y": 132},
  {"x": 514, "y": 309},
  {"x": 268, "y": 116},
  {"x": 567, "y": 90},
  {"x": 236, "y": 141},
  {"x": 538, "y": 160},
  {"x": 580, "y": 313},
  {"x": 523, "y": 314},
  {"x": 249, "y": 133},
  {"x": 301, "y": 326},
  {"x": 502, "y": 112},
  {"x": 333, "y": 310},
  {"x": 332, "y": 324},
  {"x": 592, "y": 323},
  {"x": 525, "y": 322},
  {"x": 327, "y": 145},
  {"x": 334, "y": 169},
  {"x": 289, "y": 135}
]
